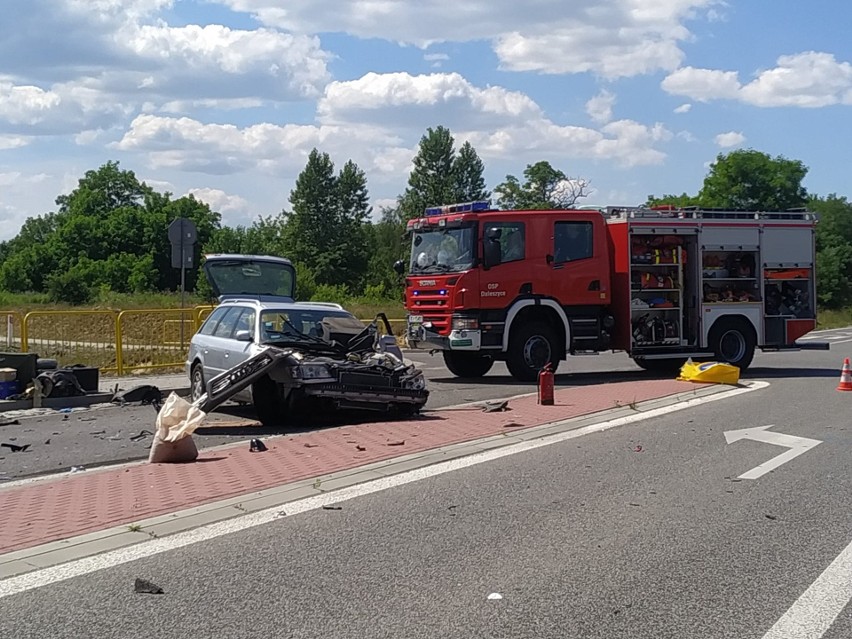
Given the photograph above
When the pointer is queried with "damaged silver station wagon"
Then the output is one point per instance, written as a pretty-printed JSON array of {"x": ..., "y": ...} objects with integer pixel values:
[{"x": 259, "y": 346}]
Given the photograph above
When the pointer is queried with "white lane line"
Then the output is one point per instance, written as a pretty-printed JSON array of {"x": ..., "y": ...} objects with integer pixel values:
[
  {"x": 815, "y": 610},
  {"x": 79, "y": 567}
]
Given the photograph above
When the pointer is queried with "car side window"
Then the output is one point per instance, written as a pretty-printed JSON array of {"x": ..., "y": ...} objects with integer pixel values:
[
  {"x": 212, "y": 321},
  {"x": 227, "y": 324},
  {"x": 573, "y": 241},
  {"x": 246, "y": 321}
]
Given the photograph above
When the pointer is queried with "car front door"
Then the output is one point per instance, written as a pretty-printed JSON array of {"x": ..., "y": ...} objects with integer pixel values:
[{"x": 221, "y": 343}]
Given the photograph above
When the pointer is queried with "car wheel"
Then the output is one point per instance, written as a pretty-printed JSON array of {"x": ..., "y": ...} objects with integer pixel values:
[
  {"x": 268, "y": 401},
  {"x": 196, "y": 382},
  {"x": 733, "y": 342},
  {"x": 531, "y": 347},
  {"x": 464, "y": 364}
]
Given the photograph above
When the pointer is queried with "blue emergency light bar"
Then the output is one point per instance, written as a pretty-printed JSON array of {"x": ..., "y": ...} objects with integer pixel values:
[{"x": 467, "y": 207}]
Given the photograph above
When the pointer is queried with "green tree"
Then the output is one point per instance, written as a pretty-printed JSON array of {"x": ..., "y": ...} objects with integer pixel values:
[
  {"x": 544, "y": 188},
  {"x": 750, "y": 180},
  {"x": 834, "y": 250},
  {"x": 387, "y": 245},
  {"x": 109, "y": 232},
  {"x": 326, "y": 230},
  {"x": 683, "y": 200},
  {"x": 432, "y": 181},
  {"x": 441, "y": 175},
  {"x": 353, "y": 232},
  {"x": 469, "y": 171}
]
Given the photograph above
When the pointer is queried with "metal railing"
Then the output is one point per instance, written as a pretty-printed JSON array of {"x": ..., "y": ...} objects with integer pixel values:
[{"x": 116, "y": 342}]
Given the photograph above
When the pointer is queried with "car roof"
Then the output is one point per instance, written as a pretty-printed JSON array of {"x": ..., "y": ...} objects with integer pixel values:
[{"x": 283, "y": 306}]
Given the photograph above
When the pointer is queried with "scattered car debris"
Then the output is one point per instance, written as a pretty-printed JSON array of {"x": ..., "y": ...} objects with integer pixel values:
[
  {"x": 495, "y": 406},
  {"x": 332, "y": 507},
  {"x": 47, "y": 442},
  {"x": 77, "y": 469},
  {"x": 257, "y": 446},
  {"x": 144, "y": 586},
  {"x": 309, "y": 445},
  {"x": 361, "y": 448},
  {"x": 494, "y": 596},
  {"x": 638, "y": 449},
  {"x": 400, "y": 442},
  {"x": 15, "y": 448},
  {"x": 9, "y": 422},
  {"x": 98, "y": 432},
  {"x": 144, "y": 394},
  {"x": 142, "y": 435},
  {"x": 513, "y": 425},
  {"x": 772, "y": 517}
]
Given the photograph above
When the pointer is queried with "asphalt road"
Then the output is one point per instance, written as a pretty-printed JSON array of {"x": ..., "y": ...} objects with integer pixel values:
[
  {"x": 89, "y": 438},
  {"x": 639, "y": 531}
]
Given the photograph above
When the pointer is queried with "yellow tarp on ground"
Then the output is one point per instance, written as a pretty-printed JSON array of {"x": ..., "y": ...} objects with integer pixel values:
[{"x": 709, "y": 372}]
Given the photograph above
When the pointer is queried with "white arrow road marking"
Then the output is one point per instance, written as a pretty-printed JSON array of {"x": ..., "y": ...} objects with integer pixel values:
[{"x": 797, "y": 446}]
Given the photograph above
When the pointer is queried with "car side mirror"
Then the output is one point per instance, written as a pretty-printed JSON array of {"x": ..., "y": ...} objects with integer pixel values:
[
  {"x": 243, "y": 336},
  {"x": 399, "y": 267}
]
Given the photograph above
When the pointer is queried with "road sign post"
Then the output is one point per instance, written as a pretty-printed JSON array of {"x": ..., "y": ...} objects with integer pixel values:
[{"x": 183, "y": 234}]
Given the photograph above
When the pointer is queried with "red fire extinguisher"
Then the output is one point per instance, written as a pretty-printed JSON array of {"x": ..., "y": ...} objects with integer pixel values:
[{"x": 545, "y": 386}]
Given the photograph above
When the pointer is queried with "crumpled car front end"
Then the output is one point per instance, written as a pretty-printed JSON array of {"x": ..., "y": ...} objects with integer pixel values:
[{"x": 376, "y": 381}]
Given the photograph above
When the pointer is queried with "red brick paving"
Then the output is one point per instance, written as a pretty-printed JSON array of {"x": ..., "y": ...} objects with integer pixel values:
[{"x": 81, "y": 503}]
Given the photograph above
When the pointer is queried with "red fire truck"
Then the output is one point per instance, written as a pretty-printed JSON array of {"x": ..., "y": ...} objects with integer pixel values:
[{"x": 662, "y": 284}]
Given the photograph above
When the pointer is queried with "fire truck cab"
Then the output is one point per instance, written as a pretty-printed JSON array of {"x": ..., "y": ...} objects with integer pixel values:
[{"x": 530, "y": 287}]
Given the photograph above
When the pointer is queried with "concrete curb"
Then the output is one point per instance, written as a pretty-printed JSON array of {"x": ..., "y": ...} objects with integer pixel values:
[{"x": 59, "y": 552}]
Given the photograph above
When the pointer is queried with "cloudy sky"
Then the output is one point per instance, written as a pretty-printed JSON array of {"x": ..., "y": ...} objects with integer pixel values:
[{"x": 225, "y": 98}]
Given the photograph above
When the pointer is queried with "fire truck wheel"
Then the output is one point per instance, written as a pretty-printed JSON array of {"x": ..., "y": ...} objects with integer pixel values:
[
  {"x": 462, "y": 364},
  {"x": 268, "y": 402},
  {"x": 531, "y": 347},
  {"x": 733, "y": 342}
]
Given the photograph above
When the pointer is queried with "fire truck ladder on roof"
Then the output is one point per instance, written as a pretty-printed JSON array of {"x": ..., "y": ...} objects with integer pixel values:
[{"x": 624, "y": 212}]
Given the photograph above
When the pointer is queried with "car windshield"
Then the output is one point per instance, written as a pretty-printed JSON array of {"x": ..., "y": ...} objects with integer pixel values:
[
  {"x": 298, "y": 325},
  {"x": 441, "y": 250},
  {"x": 250, "y": 277}
]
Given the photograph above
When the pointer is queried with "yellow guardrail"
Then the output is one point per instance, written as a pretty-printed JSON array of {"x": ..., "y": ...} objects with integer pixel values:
[
  {"x": 73, "y": 337},
  {"x": 117, "y": 342}
]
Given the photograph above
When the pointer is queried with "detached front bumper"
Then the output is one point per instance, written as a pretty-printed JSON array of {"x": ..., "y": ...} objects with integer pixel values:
[{"x": 378, "y": 396}]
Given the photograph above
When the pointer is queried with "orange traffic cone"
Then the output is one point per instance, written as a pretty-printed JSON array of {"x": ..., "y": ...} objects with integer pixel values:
[{"x": 845, "y": 377}]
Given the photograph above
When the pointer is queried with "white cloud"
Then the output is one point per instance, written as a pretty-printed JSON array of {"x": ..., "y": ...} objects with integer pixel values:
[
  {"x": 377, "y": 120},
  {"x": 702, "y": 84},
  {"x": 119, "y": 49},
  {"x": 219, "y": 201},
  {"x": 808, "y": 80},
  {"x": 436, "y": 57},
  {"x": 12, "y": 142},
  {"x": 415, "y": 98},
  {"x": 683, "y": 108},
  {"x": 220, "y": 149},
  {"x": 600, "y": 106},
  {"x": 729, "y": 139},
  {"x": 614, "y": 39}
]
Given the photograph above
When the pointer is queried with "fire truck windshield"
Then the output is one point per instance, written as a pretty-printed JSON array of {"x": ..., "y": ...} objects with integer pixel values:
[{"x": 442, "y": 250}]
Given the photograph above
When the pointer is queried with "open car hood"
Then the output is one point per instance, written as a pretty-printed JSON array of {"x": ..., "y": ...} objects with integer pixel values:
[{"x": 260, "y": 277}]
